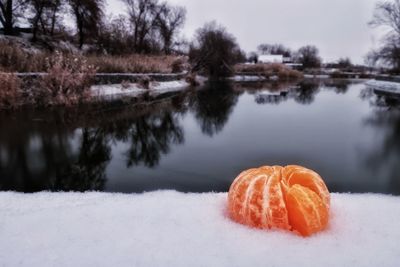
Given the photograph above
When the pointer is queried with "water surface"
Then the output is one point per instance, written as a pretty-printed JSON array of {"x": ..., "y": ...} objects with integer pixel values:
[{"x": 199, "y": 141}]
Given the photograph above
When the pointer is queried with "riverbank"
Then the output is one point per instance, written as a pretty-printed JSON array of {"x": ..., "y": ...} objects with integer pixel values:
[{"x": 173, "y": 229}]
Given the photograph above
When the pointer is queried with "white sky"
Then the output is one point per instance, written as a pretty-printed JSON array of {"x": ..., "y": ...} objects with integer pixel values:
[{"x": 337, "y": 27}]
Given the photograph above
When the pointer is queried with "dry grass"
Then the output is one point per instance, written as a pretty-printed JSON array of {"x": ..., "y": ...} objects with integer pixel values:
[
  {"x": 10, "y": 90},
  {"x": 14, "y": 58},
  {"x": 133, "y": 64},
  {"x": 270, "y": 70}
]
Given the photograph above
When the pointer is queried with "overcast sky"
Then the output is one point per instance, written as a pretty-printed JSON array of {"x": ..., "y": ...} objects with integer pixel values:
[{"x": 337, "y": 27}]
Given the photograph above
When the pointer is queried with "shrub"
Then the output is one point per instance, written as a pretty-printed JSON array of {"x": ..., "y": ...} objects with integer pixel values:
[
  {"x": 10, "y": 92},
  {"x": 144, "y": 82},
  {"x": 191, "y": 79},
  {"x": 177, "y": 65},
  {"x": 67, "y": 82}
]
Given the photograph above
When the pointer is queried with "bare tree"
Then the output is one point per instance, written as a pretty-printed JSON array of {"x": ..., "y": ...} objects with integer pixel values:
[
  {"x": 115, "y": 37},
  {"x": 253, "y": 57},
  {"x": 387, "y": 55},
  {"x": 87, "y": 15},
  {"x": 142, "y": 16},
  {"x": 169, "y": 20},
  {"x": 274, "y": 49},
  {"x": 387, "y": 14},
  {"x": 52, "y": 15},
  {"x": 214, "y": 51},
  {"x": 9, "y": 12},
  {"x": 309, "y": 57},
  {"x": 38, "y": 9},
  {"x": 344, "y": 63}
]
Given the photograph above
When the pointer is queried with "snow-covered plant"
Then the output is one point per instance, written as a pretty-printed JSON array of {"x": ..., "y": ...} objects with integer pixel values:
[{"x": 67, "y": 82}]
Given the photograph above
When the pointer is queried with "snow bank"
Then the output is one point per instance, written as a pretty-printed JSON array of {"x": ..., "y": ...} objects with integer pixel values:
[
  {"x": 174, "y": 229},
  {"x": 166, "y": 87},
  {"x": 384, "y": 86},
  {"x": 134, "y": 90}
]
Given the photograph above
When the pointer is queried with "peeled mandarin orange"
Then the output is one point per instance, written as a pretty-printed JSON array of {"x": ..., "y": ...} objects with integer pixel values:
[{"x": 290, "y": 198}]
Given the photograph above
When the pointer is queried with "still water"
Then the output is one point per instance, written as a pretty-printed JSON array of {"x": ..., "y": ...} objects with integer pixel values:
[{"x": 199, "y": 141}]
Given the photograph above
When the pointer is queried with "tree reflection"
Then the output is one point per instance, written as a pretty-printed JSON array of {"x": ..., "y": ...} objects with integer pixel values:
[
  {"x": 386, "y": 157},
  {"x": 45, "y": 160},
  {"x": 339, "y": 86},
  {"x": 69, "y": 156},
  {"x": 31, "y": 154},
  {"x": 152, "y": 136},
  {"x": 148, "y": 130},
  {"x": 213, "y": 106},
  {"x": 88, "y": 172},
  {"x": 305, "y": 92}
]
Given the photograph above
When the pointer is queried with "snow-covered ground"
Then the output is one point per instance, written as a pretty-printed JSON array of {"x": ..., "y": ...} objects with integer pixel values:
[
  {"x": 173, "y": 229},
  {"x": 134, "y": 90}
]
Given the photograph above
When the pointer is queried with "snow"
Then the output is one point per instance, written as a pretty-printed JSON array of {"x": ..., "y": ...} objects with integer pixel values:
[
  {"x": 247, "y": 78},
  {"x": 134, "y": 90},
  {"x": 172, "y": 86},
  {"x": 311, "y": 76},
  {"x": 117, "y": 90},
  {"x": 168, "y": 228}
]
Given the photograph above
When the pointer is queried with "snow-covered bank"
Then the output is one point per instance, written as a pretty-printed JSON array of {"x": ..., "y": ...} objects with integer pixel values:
[
  {"x": 247, "y": 78},
  {"x": 173, "y": 229},
  {"x": 320, "y": 76},
  {"x": 384, "y": 86},
  {"x": 133, "y": 89}
]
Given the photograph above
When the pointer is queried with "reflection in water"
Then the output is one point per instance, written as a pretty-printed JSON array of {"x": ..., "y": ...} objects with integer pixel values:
[
  {"x": 151, "y": 136},
  {"x": 87, "y": 173},
  {"x": 44, "y": 158},
  {"x": 272, "y": 99},
  {"x": 75, "y": 150},
  {"x": 384, "y": 161},
  {"x": 339, "y": 86},
  {"x": 303, "y": 93},
  {"x": 31, "y": 156},
  {"x": 213, "y": 107}
]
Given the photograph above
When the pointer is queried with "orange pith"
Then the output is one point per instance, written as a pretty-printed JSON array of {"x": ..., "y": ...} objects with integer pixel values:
[{"x": 291, "y": 198}]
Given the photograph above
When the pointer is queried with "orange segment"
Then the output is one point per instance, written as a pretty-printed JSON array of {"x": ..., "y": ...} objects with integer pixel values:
[
  {"x": 307, "y": 212},
  {"x": 310, "y": 180},
  {"x": 276, "y": 212}
]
